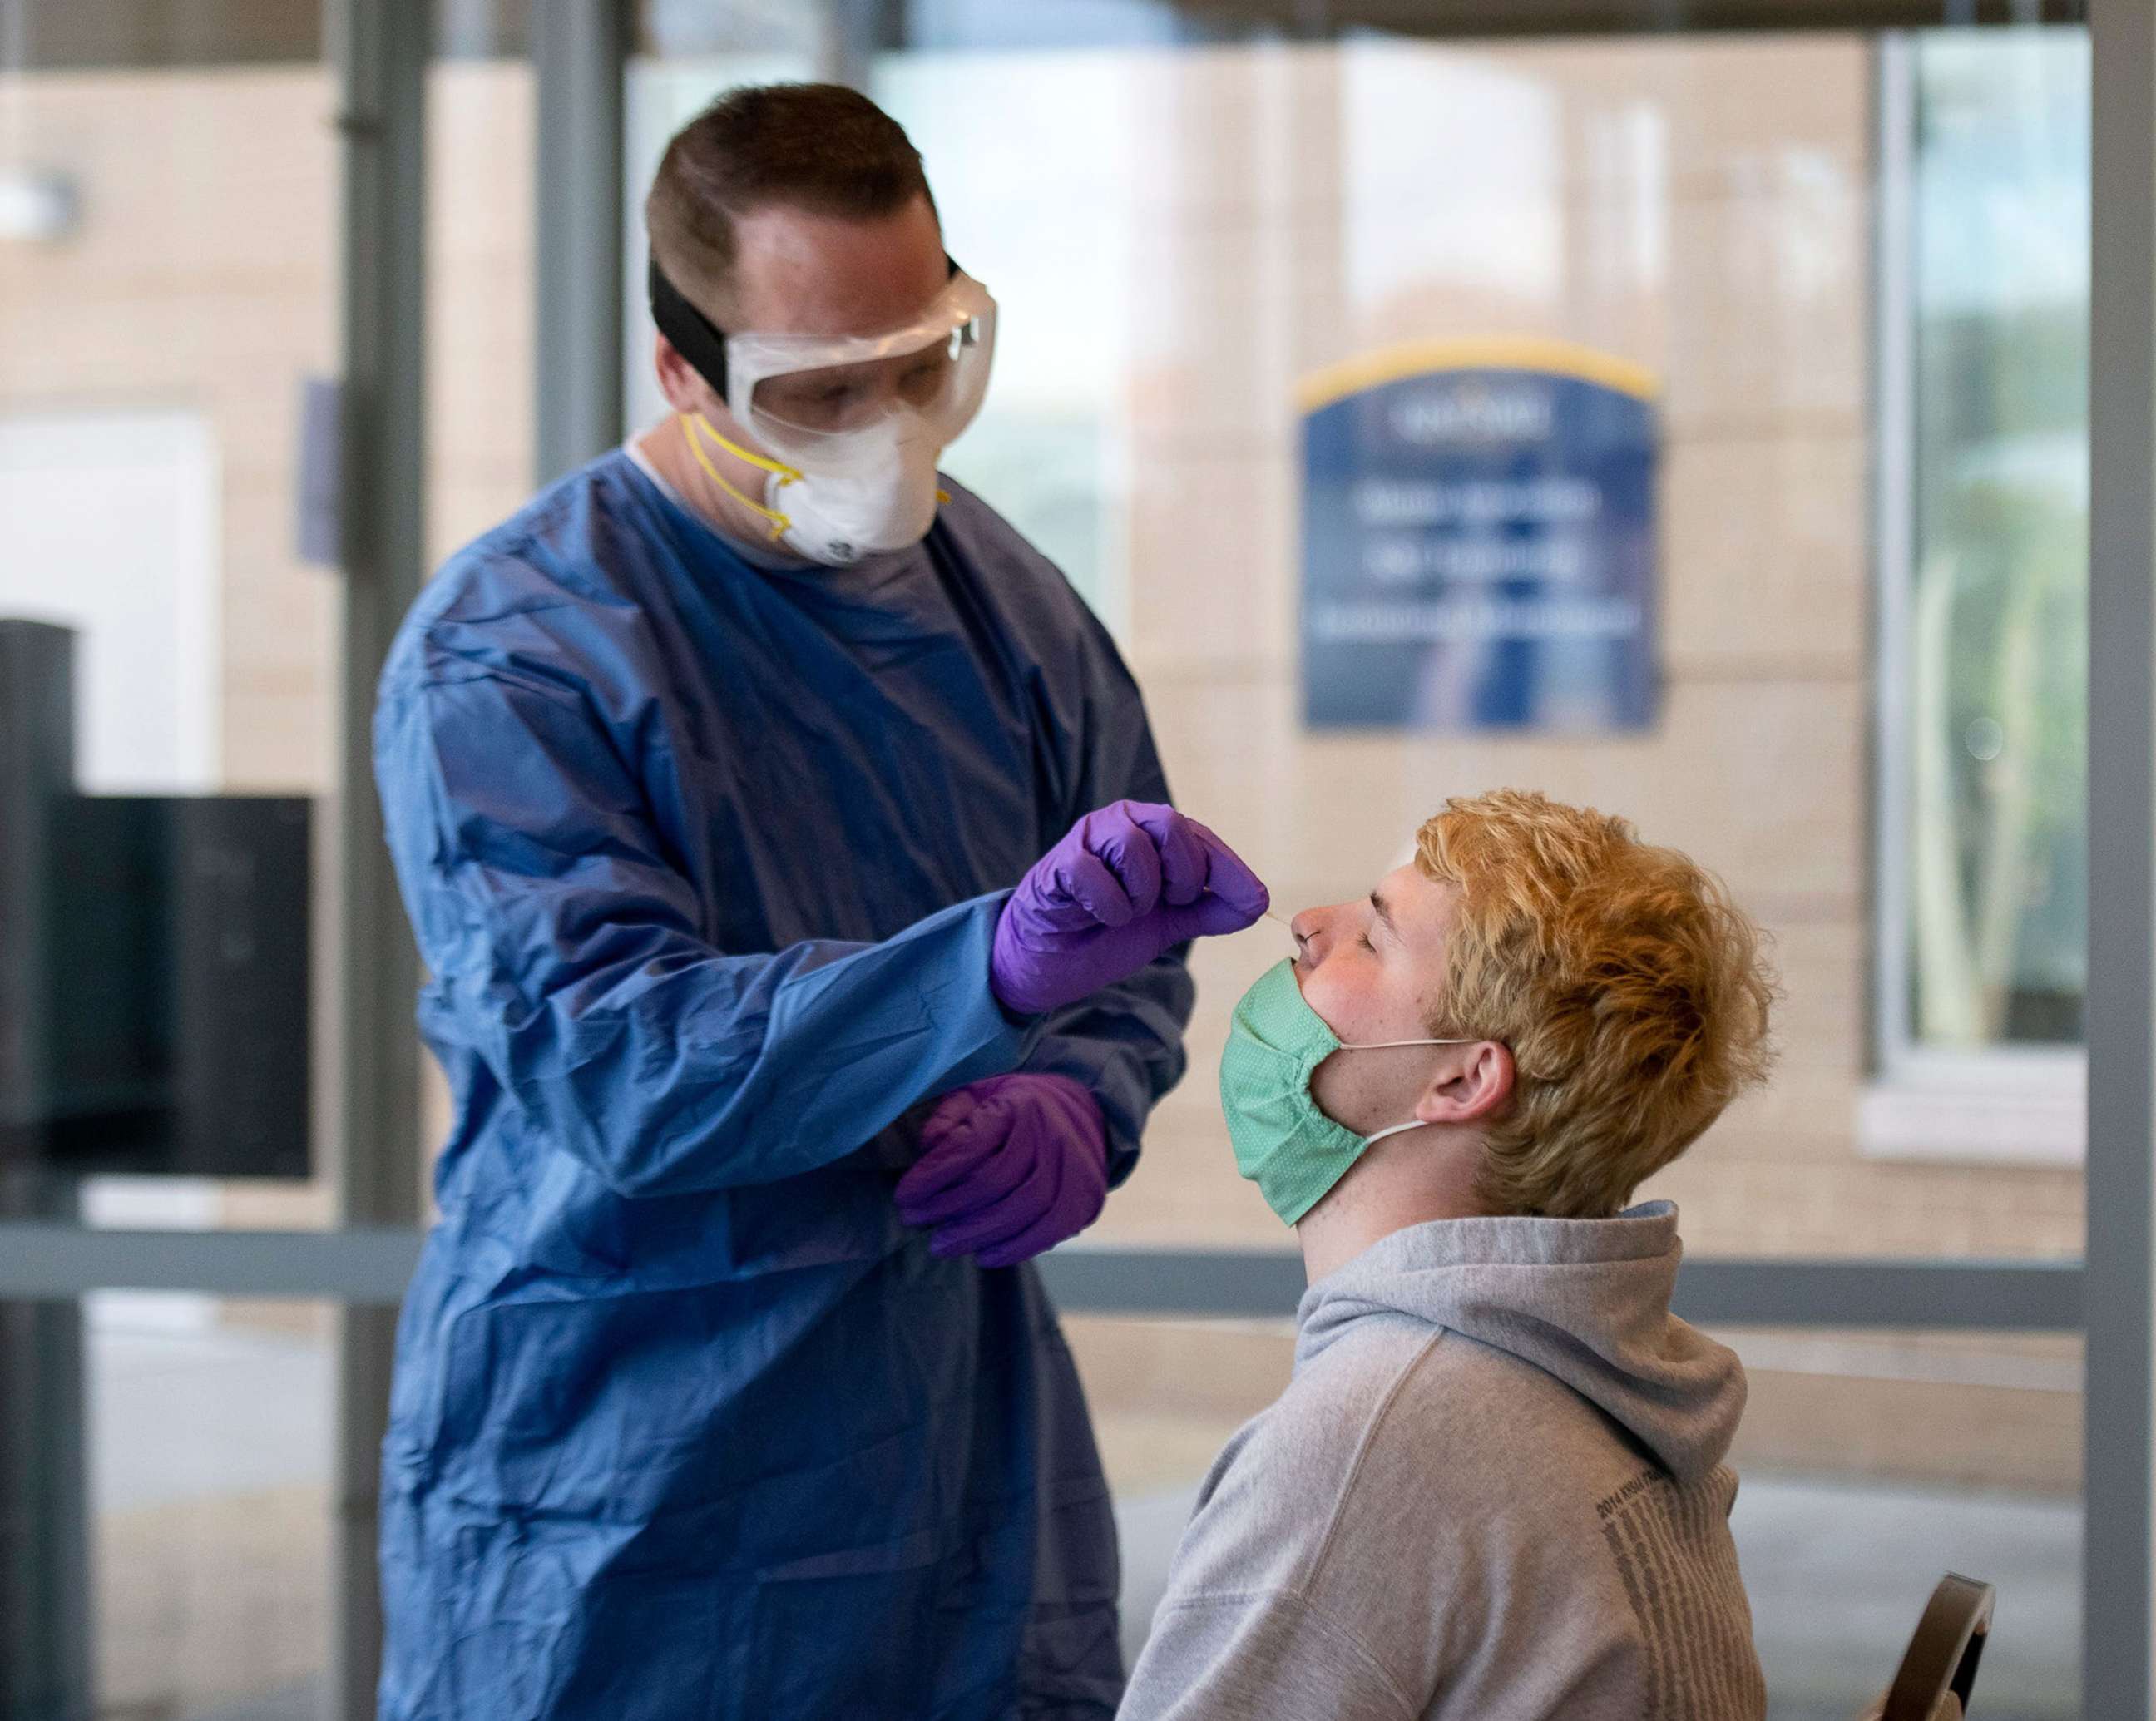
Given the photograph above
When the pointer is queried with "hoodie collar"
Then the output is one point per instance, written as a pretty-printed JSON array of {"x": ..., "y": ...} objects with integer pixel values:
[{"x": 1585, "y": 1300}]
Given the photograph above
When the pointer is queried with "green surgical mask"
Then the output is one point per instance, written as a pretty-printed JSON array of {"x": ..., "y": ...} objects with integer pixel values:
[{"x": 1283, "y": 1144}]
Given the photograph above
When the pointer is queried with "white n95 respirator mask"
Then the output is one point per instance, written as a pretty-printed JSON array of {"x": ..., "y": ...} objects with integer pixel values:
[{"x": 887, "y": 502}]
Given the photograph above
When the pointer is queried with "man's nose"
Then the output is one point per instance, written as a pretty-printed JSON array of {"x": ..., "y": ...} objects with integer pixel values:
[{"x": 1309, "y": 929}]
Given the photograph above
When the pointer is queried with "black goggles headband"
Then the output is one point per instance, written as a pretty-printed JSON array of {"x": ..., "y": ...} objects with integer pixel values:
[{"x": 694, "y": 335}]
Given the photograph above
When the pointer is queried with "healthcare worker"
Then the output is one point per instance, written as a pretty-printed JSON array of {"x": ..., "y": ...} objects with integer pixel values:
[{"x": 720, "y": 1391}]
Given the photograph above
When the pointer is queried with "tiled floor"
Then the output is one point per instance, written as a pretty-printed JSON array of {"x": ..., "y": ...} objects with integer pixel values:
[{"x": 210, "y": 1466}]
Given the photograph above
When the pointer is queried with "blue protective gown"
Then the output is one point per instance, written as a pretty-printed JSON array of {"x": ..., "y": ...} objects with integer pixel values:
[{"x": 700, "y": 857}]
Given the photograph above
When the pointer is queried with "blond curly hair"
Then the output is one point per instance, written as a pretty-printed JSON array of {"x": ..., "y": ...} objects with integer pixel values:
[{"x": 1632, "y": 994}]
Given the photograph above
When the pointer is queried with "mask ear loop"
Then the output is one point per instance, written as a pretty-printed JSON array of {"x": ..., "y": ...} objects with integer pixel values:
[
  {"x": 694, "y": 422},
  {"x": 1389, "y": 1045}
]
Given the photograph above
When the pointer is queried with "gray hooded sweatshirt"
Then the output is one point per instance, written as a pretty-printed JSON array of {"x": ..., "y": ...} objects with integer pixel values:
[{"x": 1493, "y": 1491}]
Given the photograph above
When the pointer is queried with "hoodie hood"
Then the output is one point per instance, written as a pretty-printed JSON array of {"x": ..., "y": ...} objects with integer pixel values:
[{"x": 1586, "y": 1300}]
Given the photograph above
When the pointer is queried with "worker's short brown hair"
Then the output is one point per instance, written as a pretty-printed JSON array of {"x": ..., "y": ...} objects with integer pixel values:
[{"x": 820, "y": 148}]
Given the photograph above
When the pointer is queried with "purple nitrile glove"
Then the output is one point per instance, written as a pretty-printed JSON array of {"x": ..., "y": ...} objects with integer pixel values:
[
  {"x": 1127, "y": 884},
  {"x": 1012, "y": 1166}
]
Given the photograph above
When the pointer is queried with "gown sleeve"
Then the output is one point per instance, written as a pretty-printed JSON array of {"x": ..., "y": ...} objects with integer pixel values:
[{"x": 565, "y": 949}]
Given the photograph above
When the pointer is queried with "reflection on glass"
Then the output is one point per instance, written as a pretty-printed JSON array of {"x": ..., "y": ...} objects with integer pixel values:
[
  {"x": 682, "y": 28},
  {"x": 1165, "y": 1395},
  {"x": 1179, "y": 238},
  {"x": 1051, "y": 442},
  {"x": 169, "y": 660},
  {"x": 1998, "y": 626},
  {"x": 1874, "y": 1462},
  {"x": 167, "y": 310},
  {"x": 1839, "y": 1573},
  {"x": 209, "y": 1475}
]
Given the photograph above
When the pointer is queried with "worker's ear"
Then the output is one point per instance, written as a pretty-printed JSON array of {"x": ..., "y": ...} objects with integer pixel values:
[{"x": 686, "y": 391}]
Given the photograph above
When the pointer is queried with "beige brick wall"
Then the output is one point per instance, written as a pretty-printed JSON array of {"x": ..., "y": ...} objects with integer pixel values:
[
  {"x": 1702, "y": 208},
  {"x": 204, "y": 273}
]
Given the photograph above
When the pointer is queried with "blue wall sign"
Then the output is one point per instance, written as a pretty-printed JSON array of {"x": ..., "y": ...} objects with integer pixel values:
[{"x": 1479, "y": 539}]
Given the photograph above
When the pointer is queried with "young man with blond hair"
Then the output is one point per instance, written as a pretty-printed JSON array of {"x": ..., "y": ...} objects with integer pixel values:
[{"x": 1495, "y": 1488}]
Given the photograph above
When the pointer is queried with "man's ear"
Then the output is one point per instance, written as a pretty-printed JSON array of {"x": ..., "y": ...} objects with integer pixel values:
[
  {"x": 1476, "y": 1087},
  {"x": 685, "y": 392}
]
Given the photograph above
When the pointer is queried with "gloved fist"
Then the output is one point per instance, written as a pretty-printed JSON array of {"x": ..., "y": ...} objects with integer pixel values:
[
  {"x": 1129, "y": 883},
  {"x": 1011, "y": 1167}
]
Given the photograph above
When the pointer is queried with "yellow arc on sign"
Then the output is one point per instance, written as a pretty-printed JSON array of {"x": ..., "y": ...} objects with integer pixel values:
[{"x": 1559, "y": 358}]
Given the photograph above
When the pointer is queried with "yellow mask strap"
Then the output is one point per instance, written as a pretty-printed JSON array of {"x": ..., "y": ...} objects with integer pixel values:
[{"x": 694, "y": 423}]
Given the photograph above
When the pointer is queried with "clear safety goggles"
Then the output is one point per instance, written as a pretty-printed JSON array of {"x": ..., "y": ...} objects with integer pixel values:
[{"x": 804, "y": 395}]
